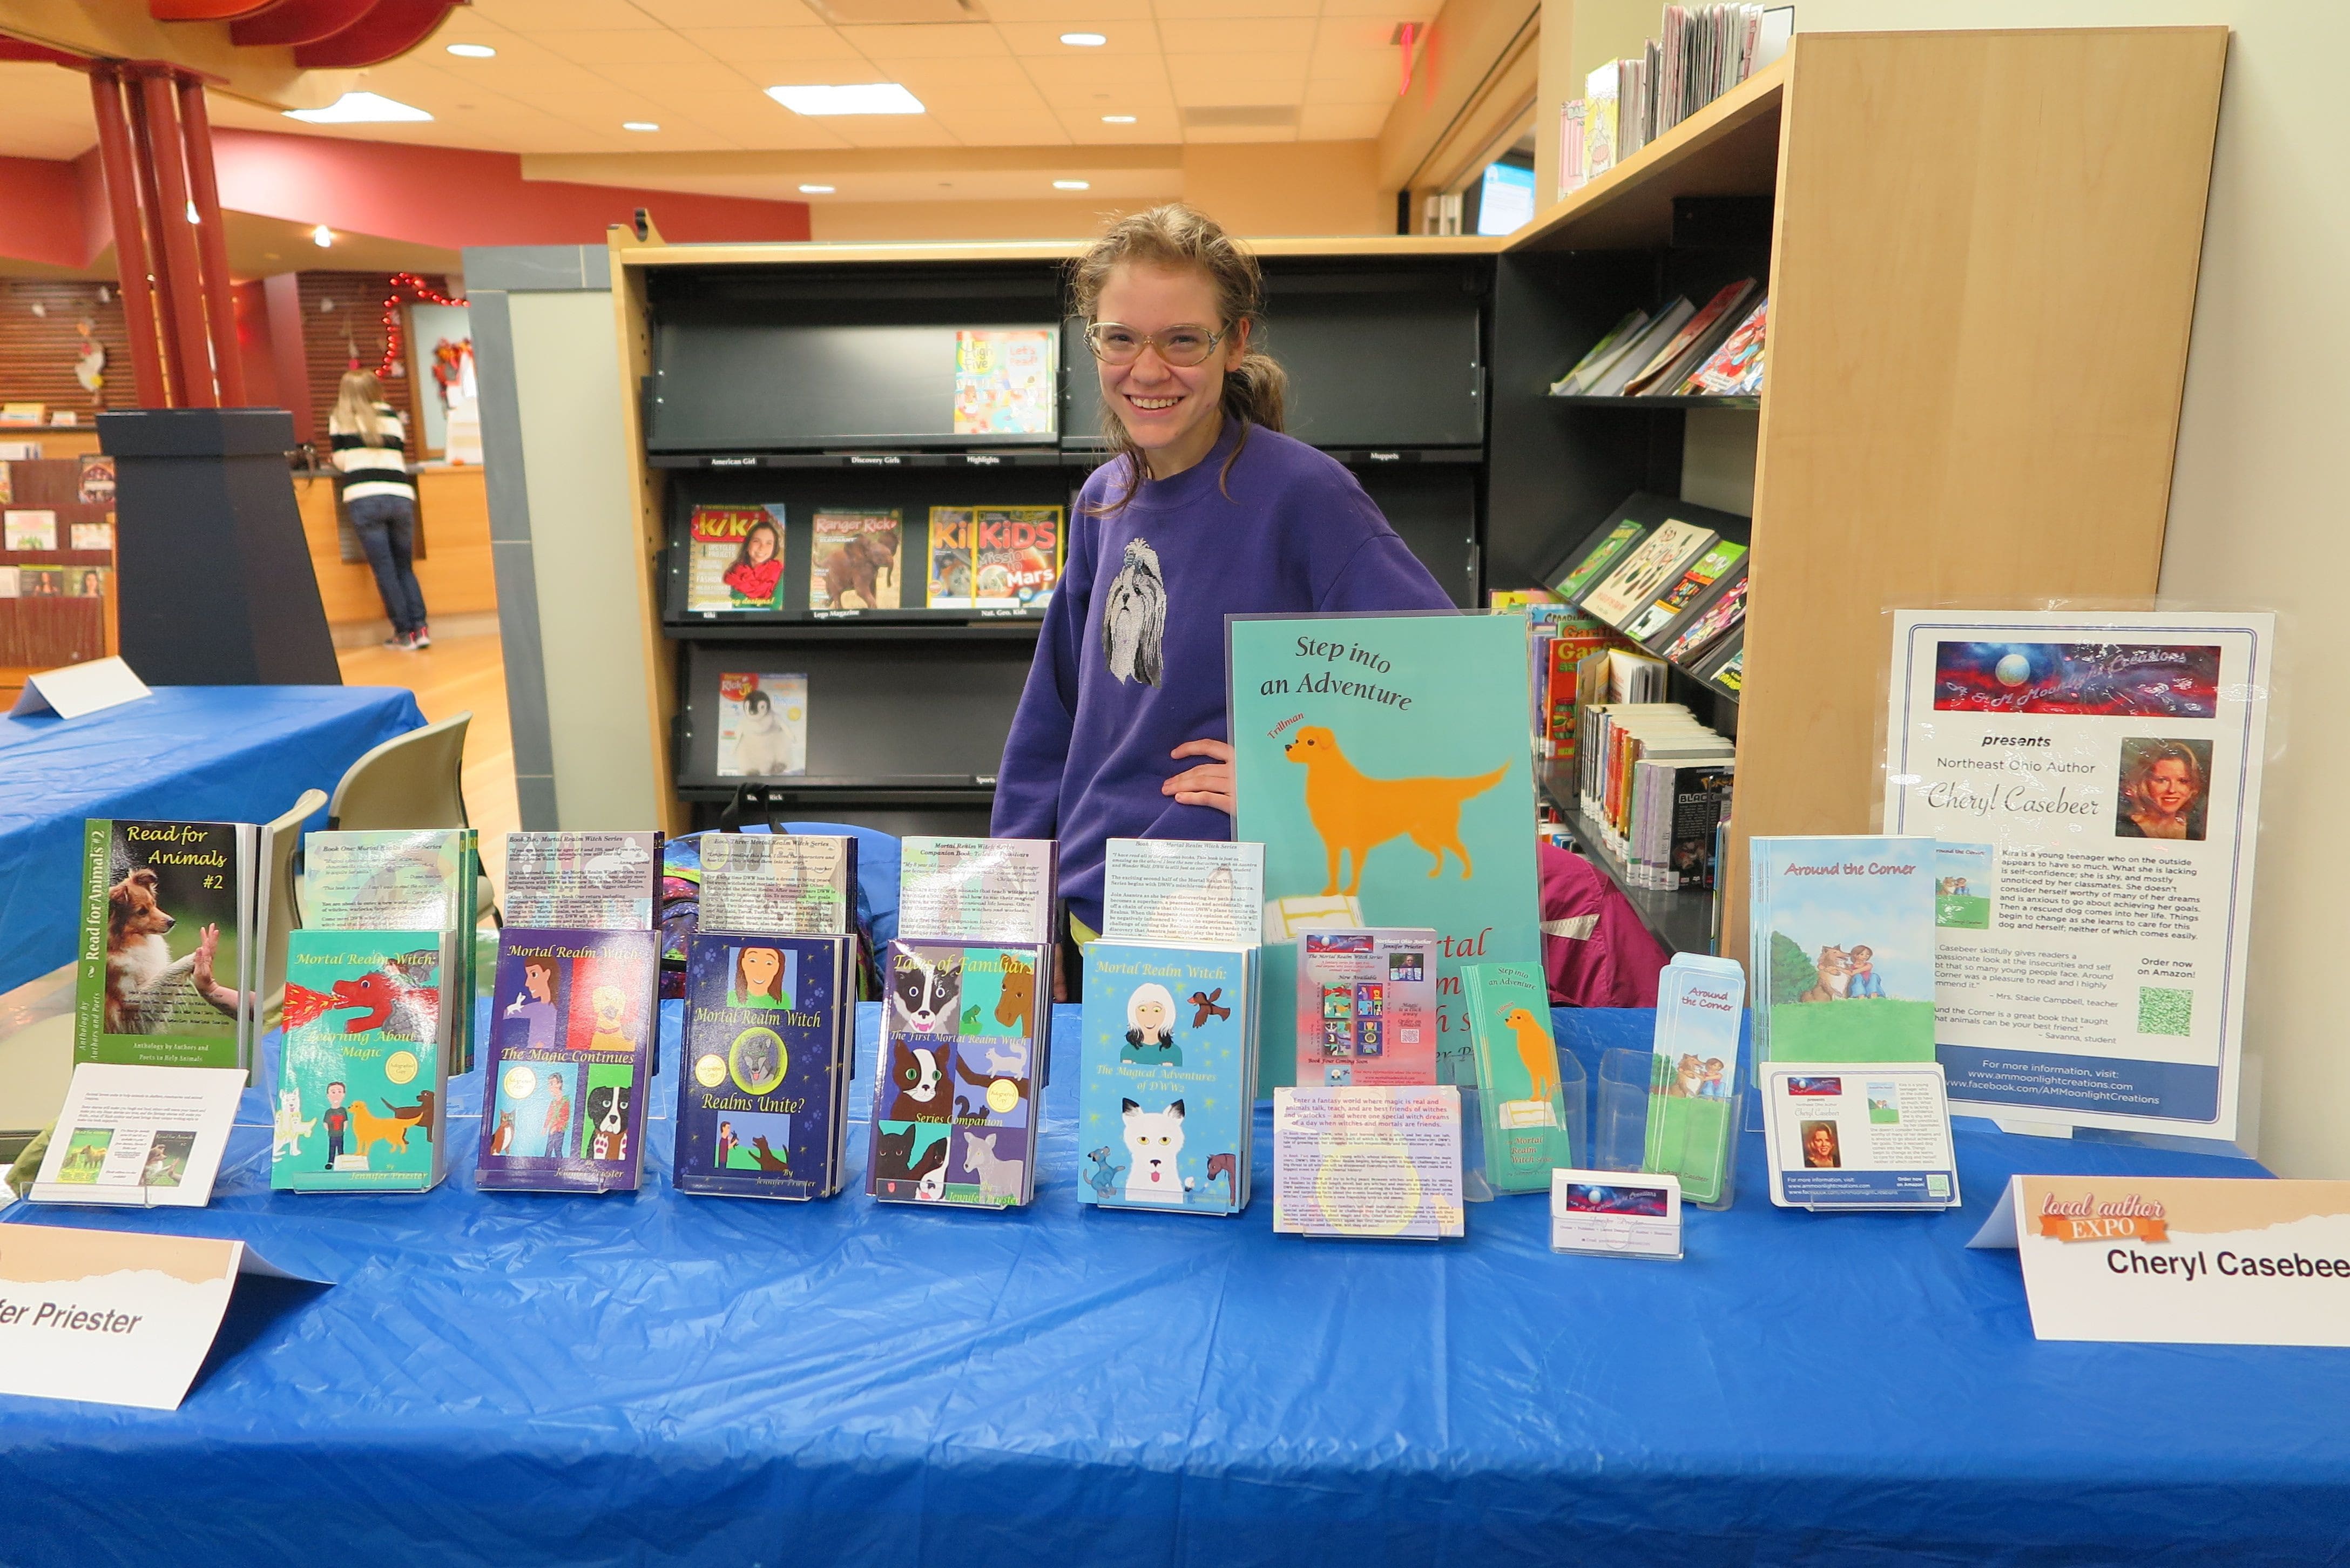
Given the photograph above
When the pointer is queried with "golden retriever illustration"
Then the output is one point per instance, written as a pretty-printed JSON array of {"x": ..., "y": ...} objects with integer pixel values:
[
  {"x": 1836, "y": 977},
  {"x": 368, "y": 1128},
  {"x": 1355, "y": 812}
]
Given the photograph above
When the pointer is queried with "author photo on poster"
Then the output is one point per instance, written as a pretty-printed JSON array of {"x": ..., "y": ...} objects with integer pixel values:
[{"x": 2163, "y": 786}]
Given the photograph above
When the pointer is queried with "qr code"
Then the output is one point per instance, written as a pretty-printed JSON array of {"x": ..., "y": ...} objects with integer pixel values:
[{"x": 2163, "y": 1010}]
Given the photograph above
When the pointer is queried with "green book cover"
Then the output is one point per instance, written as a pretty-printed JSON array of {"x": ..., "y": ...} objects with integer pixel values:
[
  {"x": 166, "y": 931},
  {"x": 401, "y": 879},
  {"x": 362, "y": 1077},
  {"x": 1601, "y": 556},
  {"x": 1518, "y": 1093}
]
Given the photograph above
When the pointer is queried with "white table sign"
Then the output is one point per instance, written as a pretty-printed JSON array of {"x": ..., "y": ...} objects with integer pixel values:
[{"x": 78, "y": 688}]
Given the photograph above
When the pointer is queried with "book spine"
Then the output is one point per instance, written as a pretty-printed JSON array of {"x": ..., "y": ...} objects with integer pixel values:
[{"x": 89, "y": 982}]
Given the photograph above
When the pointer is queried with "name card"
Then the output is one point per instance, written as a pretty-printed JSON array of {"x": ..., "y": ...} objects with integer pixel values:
[
  {"x": 1625, "y": 1214},
  {"x": 78, "y": 688},
  {"x": 111, "y": 1317},
  {"x": 2180, "y": 1260}
]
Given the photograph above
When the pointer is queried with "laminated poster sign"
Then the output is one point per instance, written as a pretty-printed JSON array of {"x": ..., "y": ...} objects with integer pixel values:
[
  {"x": 2094, "y": 783},
  {"x": 1382, "y": 758}
]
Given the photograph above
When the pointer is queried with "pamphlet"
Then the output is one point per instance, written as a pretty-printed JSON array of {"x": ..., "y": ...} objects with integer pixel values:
[
  {"x": 1701, "y": 1006},
  {"x": 977, "y": 889},
  {"x": 1844, "y": 958},
  {"x": 734, "y": 559},
  {"x": 1377, "y": 1163},
  {"x": 598, "y": 880},
  {"x": 1367, "y": 1009},
  {"x": 145, "y": 1136},
  {"x": 2095, "y": 779},
  {"x": 790, "y": 883},
  {"x": 1611, "y": 1212},
  {"x": 761, "y": 725},
  {"x": 1875, "y": 1137},
  {"x": 1182, "y": 890}
]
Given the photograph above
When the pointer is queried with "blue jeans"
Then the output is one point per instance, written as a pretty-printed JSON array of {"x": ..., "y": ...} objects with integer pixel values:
[{"x": 386, "y": 525}]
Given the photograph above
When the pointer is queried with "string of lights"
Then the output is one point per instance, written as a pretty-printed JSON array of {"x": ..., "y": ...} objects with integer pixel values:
[{"x": 418, "y": 288}]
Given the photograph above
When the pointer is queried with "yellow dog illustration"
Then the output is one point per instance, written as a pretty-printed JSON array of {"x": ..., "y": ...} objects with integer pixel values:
[
  {"x": 1356, "y": 813},
  {"x": 1535, "y": 1049}
]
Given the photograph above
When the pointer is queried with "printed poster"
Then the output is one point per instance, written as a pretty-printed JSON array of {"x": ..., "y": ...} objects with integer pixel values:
[
  {"x": 1383, "y": 759},
  {"x": 2096, "y": 781}
]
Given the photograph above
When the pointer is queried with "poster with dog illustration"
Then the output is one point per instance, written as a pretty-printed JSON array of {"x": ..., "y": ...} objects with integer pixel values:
[
  {"x": 1383, "y": 758},
  {"x": 164, "y": 977},
  {"x": 572, "y": 1016},
  {"x": 363, "y": 1074},
  {"x": 762, "y": 1098}
]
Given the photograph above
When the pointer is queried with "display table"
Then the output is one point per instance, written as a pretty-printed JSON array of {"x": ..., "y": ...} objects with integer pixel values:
[
  {"x": 516, "y": 1380},
  {"x": 202, "y": 753}
]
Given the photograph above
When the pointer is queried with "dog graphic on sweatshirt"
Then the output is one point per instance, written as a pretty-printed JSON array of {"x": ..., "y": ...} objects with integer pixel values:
[{"x": 1355, "y": 813}]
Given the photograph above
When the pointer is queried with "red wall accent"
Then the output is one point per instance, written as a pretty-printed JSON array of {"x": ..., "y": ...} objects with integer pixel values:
[
  {"x": 42, "y": 218},
  {"x": 255, "y": 350}
]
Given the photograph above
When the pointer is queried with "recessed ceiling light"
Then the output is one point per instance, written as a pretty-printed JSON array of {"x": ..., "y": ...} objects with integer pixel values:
[
  {"x": 1118, "y": 119},
  {"x": 817, "y": 189},
  {"x": 1084, "y": 40},
  {"x": 863, "y": 97},
  {"x": 638, "y": 125},
  {"x": 322, "y": 237},
  {"x": 1072, "y": 185},
  {"x": 473, "y": 51},
  {"x": 359, "y": 109}
]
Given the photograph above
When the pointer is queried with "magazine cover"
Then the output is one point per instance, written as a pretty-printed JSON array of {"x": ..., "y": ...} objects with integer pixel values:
[
  {"x": 1843, "y": 937},
  {"x": 951, "y": 558},
  {"x": 955, "y": 1080},
  {"x": 1167, "y": 1094},
  {"x": 166, "y": 944},
  {"x": 1519, "y": 1097},
  {"x": 761, "y": 725},
  {"x": 1016, "y": 556},
  {"x": 761, "y": 1099},
  {"x": 572, "y": 1018},
  {"x": 96, "y": 479},
  {"x": 363, "y": 1074},
  {"x": 1005, "y": 381},
  {"x": 734, "y": 559},
  {"x": 855, "y": 563},
  {"x": 29, "y": 529},
  {"x": 599, "y": 880}
]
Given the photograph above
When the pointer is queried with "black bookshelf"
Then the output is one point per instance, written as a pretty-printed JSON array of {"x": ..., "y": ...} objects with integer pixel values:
[{"x": 1659, "y": 404}]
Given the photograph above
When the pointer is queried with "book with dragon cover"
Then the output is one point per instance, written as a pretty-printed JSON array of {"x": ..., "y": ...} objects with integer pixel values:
[
  {"x": 761, "y": 1103},
  {"x": 956, "y": 1080},
  {"x": 167, "y": 972},
  {"x": 572, "y": 1019},
  {"x": 1167, "y": 1086},
  {"x": 363, "y": 1074},
  {"x": 399, "y": 879}
]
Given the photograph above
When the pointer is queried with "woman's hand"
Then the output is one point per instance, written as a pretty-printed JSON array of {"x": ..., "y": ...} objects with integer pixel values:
[{"x": 1209, "y": 783}]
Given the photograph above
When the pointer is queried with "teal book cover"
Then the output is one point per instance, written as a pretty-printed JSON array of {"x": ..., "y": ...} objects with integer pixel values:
[
  {"x": 1519, "y": 1099},
  {"x": 1164, "y": 1102},
  {"x": 362, "y": 1076},
  {"x": 1382, "y": 758},
  {"x": 1842, "y": 932}
]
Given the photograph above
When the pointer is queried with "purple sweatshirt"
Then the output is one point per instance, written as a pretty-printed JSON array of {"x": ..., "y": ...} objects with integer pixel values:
[{"x": 1130, "y": 659}]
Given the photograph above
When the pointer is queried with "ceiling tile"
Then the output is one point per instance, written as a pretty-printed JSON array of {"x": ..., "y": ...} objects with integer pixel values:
[
  {"x": 1341, "y": 122},
  {"x": 1242, "y": 133},
  {"x": 1154, "y": 126},
  {"x": 732, "y": 12},
  {"x": 1237, "y": 78},
  {"x": 946, "y": 81},
  {"x": 1393, "y": 10},
  {"x": 599, "y": 46},
  {"x": 1194, "y": 10},
  {"x": 771, "y": 45},
  {"x": 1066, "y": 80},
  {"x": 1072, "y": 14},
  {"x": 984, "y": 125},
  {"x": 891, "y": 131},
  {"x": 1359, "y": 33},
  {"x": 1293, "y": 35},
  {"x": 1368, "y": 81},
  {"x": 535, "y": 17},
  {"x": 967, "y": 41},
  {"x": 1043, "y": 39}
]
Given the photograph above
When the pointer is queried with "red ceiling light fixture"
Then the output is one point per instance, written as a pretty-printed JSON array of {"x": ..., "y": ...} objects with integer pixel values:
[
  {"x": 1405, "y": 37},
  {"x": 417, "y": 288}
]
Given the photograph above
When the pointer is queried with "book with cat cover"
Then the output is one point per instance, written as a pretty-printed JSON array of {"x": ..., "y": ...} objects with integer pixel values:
[
  {"x": 734, "y": 559},
  {"x": 957, "y": 1077},
  {"x": 1167, "y": 1086},
  {"x": 1015, "y": 556},
  {"x": 1519, "y": 1099},
  {"x": 1646, "y": 571},
  {"x": 857, "y": 559},
  {"x": 1672, "y": 606},
  {"x": 802, "y": 884},
  {"x": 762, "y": 1101},
  {"x": 1367, "y": 1007},
  {"x": 602, "y": 880},
  {"x": 1843, "y": 937},
  {"x": 1603, "y": 554},
  {"x": 168, "y": 966},
  {"x": 399, "y": 879},
  {"x": 363, "y": 1074},
  {"x": 951, "y": 558},
  {"x": 570, "y": 1060}
]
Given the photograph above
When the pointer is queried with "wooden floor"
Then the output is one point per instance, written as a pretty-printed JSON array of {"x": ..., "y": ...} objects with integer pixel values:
[{"x": 458, "y": 675}]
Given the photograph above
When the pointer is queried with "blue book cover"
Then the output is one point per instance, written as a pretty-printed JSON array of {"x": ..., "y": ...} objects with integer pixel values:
[
  {"x": 763, "y": 1072},
  {"x": 1166, "y": 1088},
  {"x": 572, "y": 1020},
  {"x": 964, "y": 1027},
  {"x": 1841, "y": 931}
]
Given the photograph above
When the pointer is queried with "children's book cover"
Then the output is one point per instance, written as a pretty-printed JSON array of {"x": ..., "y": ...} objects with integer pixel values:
[
  {"x": 1843, "y": 933},
  {"x": 1016, "y": 556},
  {"x": 1165, "y": 1103},
  {"x": 761, "y": 725},
  {"x": 164, "y": 978},
  {"x": 734, "y": 559},
  {"x": 764, "y": 1067},
  {"x": 572, "y": 1017},
  {"x": 956, "y": 1081},
  {"x": 1519, "y": 1097},
  {"x": 363, "y": 1074},
  {"x": 951, "y": 558},
  {"x": 603, "y": 880},
  {"x": 1383, "y": 758},
  {"x": 1004, "y": 381},
  {"x": 1599, "y": 558},
  {"x": 857, "y": 560},
  {"x": 401, "y": 879},
  {"x": 1367, "y": 1009},
  {"x": 1646, "y": 571},
  {"x": 1702, "y": 574}
]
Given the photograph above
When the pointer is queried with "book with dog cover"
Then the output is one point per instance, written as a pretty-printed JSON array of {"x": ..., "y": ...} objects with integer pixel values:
[
  {"x": 1015, "y": 556},
  {"x": 1367, "y": 1007},
  {"x": 168, "y": 966},
  {"x": 734, "y": 559},
  {"x": 1646, "y": 571},
  {"x": 399, "y": 879},
  {"x": 570, "y": 1060},
  {"x": 1167, "y": 1084},
  {"x": 801, "y": 883},
  {"x": 602, "y": 880},
  {"x": 951, "y": 558},
  {"x": 762, "y": 1101},
  {"x": 363, "y": 1074},
  {"x": 1843, "y": 937},
  {"x": 959, "y": 1073},
  {"x": 856, "y": 561},
  {"x": 1519, "y": 1099}
]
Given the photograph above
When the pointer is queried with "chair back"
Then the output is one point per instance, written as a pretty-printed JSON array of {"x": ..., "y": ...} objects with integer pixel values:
[
  {"x": 414, "y": 780},
  {"x": 281, "y": 842}
]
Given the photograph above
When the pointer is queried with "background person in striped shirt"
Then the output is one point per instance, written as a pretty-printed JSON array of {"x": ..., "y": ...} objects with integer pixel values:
[{"x": 380, "y": 498}]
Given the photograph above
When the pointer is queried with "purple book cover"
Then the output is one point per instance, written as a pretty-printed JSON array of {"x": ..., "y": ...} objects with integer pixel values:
[{"x": 572, "y": 1019}]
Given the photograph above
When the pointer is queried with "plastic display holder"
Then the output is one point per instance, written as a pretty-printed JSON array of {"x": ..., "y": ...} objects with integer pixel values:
[
  {"x": 1692, "y": 1135},
  {"x": 1620, "y": 1112},
  {"x": 1575, "y": 1099}
]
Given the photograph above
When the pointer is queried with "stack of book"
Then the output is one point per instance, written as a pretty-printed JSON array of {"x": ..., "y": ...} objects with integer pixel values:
[
  {"x": 1678, "y": 589},
  {"x": 1682, "y": 350},
  {"x": 1655, "y": 780},
  {"x": 1706, "y": 51}
]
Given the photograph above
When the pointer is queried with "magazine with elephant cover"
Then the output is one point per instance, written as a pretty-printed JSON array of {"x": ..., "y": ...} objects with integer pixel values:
[
  {"x": 399, "y": 879},
  {"x": 363, "y": 1074},
  {"x": 167, "y": 972},
  {"x": 1015, "y": 556},
  {"x": 804, "y": 883},
  {"x": 857, "y": 562},
  {"x": 1520, "y": 1106},
  {"x": 957, "y": 1074},
  {"x": 763, "y": 1098},
  {"x": 603, "y": 880},
  {"x": 1167, "y": 1086},
  {"x": 1844, "y": 949},
  {"x": 572, "y": 1019}
]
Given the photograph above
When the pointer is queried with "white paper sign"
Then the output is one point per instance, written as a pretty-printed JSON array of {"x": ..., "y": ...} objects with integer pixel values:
[
  {"x": 145, "y": 1136},
  {"x": 78, "y": 688},
  {"x": 2181, "y": 1260},
  {"x": 114, "y": 1318},
  {"x": 1626, "y": 1213},
  {"x": 1379, "y": 1161},
  {"x": 1182, "y": 890}
]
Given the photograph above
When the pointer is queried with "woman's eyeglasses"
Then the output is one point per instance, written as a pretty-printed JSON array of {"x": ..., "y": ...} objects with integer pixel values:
[{"x": 1183, "y": 347}]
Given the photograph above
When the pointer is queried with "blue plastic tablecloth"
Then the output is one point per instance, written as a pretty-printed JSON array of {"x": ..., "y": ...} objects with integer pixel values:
[
  {"x": 201, "y": 753},
  {"x": 654, "y": 1378}
]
